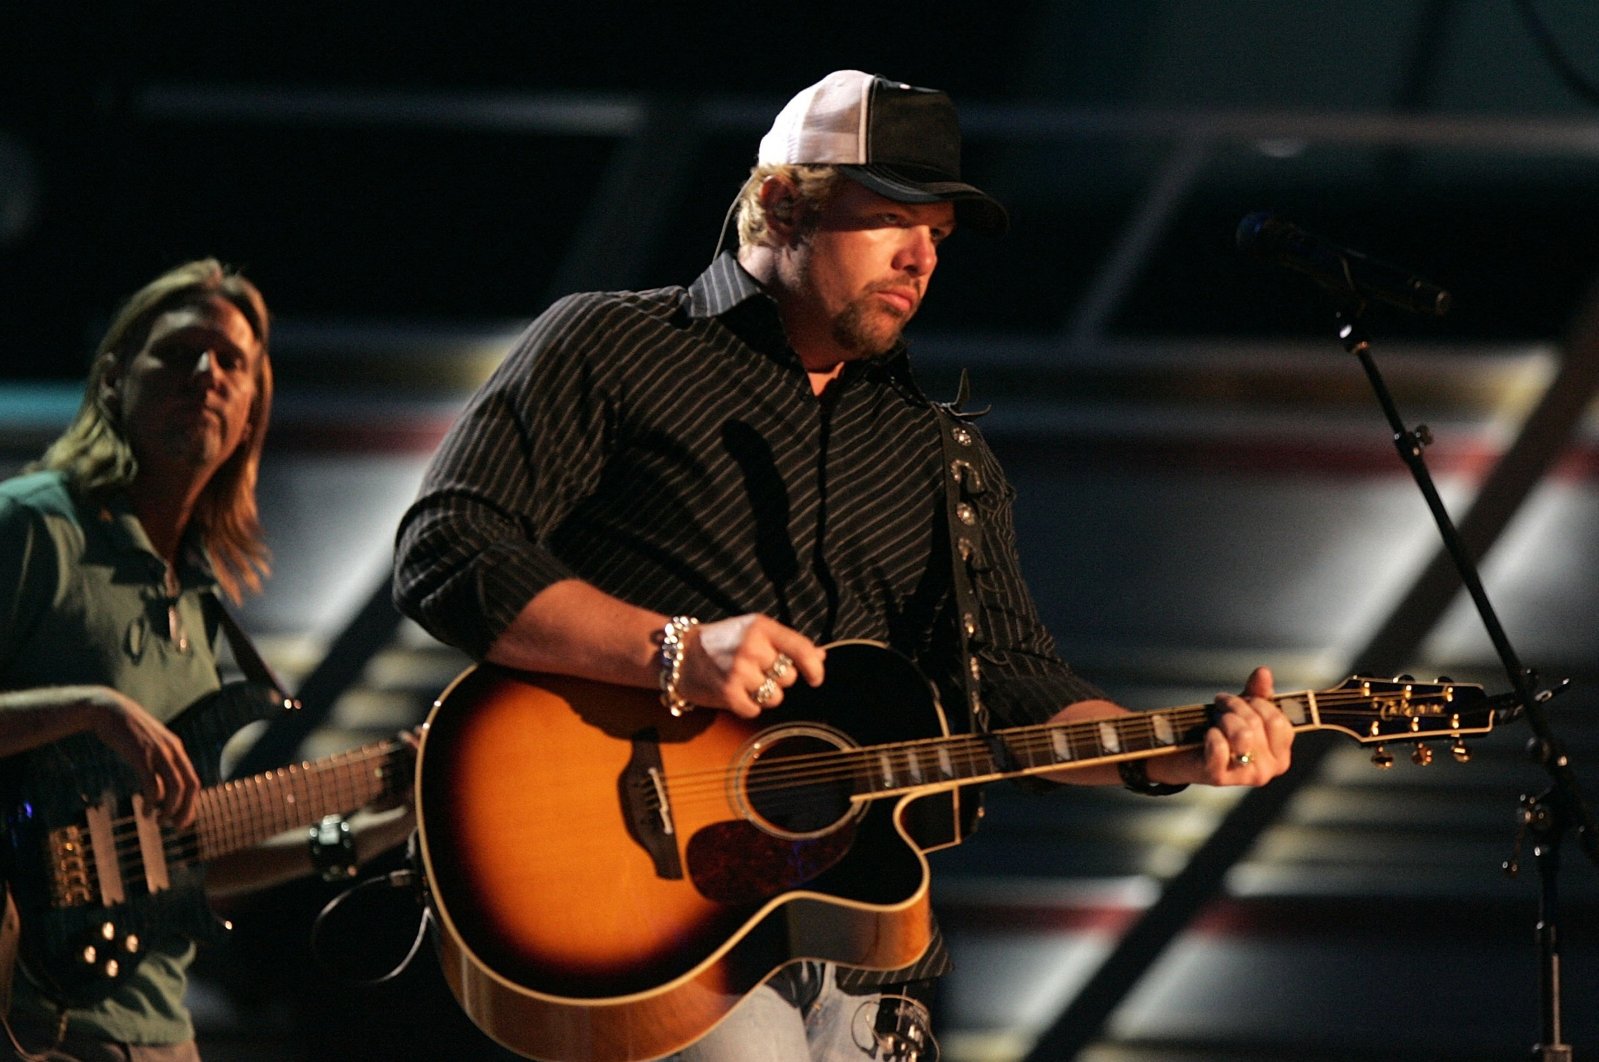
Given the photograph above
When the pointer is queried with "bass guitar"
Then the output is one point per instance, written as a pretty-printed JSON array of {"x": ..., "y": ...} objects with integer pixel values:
[
  {"x": 607, "y": 881},
  {"x": 98, "y": 877}
]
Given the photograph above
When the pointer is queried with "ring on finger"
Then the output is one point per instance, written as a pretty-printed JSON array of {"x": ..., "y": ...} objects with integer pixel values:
[
  {"x": 763, "y": 693},
  {"x": 780, "y": 667},
  {"x": 1243, "y": 759}
]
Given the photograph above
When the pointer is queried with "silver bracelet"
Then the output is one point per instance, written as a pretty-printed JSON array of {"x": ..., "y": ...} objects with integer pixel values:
[{"x": 673, "y": 637}]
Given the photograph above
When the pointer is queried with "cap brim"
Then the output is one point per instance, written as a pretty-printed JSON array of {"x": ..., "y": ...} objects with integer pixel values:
[{"x": 974, "y": 208}]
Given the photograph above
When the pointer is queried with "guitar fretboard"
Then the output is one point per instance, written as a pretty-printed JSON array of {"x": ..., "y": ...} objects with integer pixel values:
[
  {"x": 887, "y": 769},
  {"x": 242, "y": 813}
]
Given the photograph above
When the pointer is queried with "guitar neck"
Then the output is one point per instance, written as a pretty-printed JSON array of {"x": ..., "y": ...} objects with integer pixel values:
[
  {"x": 1369, "y": 710},
  {"x": 242, "y": 813},
  {"x": 967, "y": 759}
]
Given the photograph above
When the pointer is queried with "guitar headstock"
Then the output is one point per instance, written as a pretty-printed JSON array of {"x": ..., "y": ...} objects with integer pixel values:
[{"x": 1376, "y": 711}]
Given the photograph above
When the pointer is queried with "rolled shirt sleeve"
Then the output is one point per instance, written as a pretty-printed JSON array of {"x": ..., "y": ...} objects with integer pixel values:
[{"x": 473, "y": 548}]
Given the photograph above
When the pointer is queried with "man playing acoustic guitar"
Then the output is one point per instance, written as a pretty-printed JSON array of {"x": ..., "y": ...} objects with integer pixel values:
[
  {"x": 698, "y": 490},
  {"x": 110, "y": 548}
]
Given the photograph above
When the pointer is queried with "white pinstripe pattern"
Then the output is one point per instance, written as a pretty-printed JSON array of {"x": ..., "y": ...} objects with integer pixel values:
[{"x": 666, "y": 447}]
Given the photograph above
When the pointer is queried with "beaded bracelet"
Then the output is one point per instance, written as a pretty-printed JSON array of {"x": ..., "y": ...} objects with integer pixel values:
[{"x": 673, "y": 637}]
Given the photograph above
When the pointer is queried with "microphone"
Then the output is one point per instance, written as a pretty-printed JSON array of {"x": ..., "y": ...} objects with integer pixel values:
[{"x": 1339, "y": 269}]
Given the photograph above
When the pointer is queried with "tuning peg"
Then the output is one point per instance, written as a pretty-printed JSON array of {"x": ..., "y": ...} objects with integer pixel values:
[
  {"x": 1459, "y": 751},
  {"x": 1445, "y": 680},
  {"x": 1382, "y": 758},
  {"x": 1404, "y": 678},
  {"x": 1421, "y": 755}
]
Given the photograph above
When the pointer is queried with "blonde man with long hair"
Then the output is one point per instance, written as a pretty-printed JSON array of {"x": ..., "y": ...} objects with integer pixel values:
[
  {"x": 112, "y": 547},
  {"x": 95, "y": 455}
]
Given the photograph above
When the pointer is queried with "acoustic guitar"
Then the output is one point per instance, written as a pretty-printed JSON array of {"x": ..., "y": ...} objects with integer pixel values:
[{"x": 608, "y": 881}]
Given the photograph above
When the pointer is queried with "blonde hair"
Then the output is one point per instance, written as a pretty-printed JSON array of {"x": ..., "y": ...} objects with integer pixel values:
[
  {"x": 93, "y": 452},
  {"x": 815, "y": 185}
]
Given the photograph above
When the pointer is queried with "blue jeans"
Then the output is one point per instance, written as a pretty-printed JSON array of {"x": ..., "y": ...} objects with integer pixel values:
[{"x": 799, "y": 1015}]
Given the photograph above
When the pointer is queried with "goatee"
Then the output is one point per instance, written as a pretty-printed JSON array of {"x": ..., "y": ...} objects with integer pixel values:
[{"x": 867, "y": 329}]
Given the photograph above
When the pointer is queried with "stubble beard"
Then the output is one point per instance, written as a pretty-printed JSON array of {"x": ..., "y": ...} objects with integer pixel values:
[
  {"x": 867, "y": 328},
  {"x": 194, "y": 447}
]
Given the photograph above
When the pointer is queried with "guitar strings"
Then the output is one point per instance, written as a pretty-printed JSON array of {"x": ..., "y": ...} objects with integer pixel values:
[
  {"x": 1035, "y": 746},
  {"x": 225, "y": 811},
  {"x": 968, "y": 756},
  {"x": 228, "y": 815}
]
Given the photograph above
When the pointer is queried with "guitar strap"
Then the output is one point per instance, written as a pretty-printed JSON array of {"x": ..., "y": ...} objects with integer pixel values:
[
  {"x": 932, "y": 822},
  {"x": 962, "y": 484},
  {"x": 245, "y": 654}
]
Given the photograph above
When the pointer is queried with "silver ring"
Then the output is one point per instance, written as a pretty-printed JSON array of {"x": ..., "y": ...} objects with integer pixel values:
[
  {"x": 1243, "y": 759},
  {"x": 764, "y": 691},
  {"x": 780, "y": 667}
]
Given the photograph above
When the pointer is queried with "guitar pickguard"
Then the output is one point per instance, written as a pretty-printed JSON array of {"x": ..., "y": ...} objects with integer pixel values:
[{"x": 737, "y": 863}]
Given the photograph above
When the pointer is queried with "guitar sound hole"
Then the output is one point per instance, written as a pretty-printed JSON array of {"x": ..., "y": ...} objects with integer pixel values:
[{"x": 797, "y": 785}]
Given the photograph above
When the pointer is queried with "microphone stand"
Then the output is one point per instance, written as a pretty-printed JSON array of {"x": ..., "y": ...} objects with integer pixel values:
[{"x": 1549, "y": 814}]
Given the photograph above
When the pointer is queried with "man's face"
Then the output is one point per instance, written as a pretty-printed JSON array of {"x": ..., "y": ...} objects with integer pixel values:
[
  {"x": 185, "y": 397},
  {"x": 861, "y": 274}
]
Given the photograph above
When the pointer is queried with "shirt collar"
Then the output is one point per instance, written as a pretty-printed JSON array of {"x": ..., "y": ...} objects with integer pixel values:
[
  {"x": 726, "y": 286},
  {"x": 115, "y": 512}
]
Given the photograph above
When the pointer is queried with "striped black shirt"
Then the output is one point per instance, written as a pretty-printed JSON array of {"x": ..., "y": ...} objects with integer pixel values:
[{"x": 666, "y": 447}]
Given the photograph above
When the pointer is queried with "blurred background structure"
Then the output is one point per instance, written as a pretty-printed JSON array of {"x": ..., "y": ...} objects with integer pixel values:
[{"x": 1205, "y": 480}]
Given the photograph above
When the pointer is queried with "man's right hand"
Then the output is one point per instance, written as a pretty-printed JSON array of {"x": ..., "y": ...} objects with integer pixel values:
[
  {"x": 166, "y": 774},
  {"x": 745, "y": 663}
]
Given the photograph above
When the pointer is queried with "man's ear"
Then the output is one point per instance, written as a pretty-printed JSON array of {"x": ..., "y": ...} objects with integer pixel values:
[{"x": 780, "y": 202}]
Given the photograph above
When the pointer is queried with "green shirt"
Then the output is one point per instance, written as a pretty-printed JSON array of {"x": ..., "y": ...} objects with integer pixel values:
[{"x": 83, "y": 601}]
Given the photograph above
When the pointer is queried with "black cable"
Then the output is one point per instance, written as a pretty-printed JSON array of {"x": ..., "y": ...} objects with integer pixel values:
[
  {"x": 397, "y": 879},
  {"x": 1575, "y": 80}
]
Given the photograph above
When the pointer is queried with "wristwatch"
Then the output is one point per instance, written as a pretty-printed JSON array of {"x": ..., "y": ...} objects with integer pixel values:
[{"x": 1135, "y": 776}]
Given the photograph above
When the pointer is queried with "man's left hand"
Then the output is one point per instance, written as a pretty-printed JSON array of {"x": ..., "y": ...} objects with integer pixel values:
[{"x": 1250, "y": 742}]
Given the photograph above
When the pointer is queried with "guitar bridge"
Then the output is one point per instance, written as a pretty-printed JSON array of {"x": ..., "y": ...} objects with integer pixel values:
[
  {"x": 69, "y": 867},
  {"x": 663, "y": 808},
  {"x": 642, "y": 788}
]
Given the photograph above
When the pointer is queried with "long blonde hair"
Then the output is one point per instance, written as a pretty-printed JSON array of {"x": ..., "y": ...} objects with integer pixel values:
[{"x": 95, "y": 457}]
